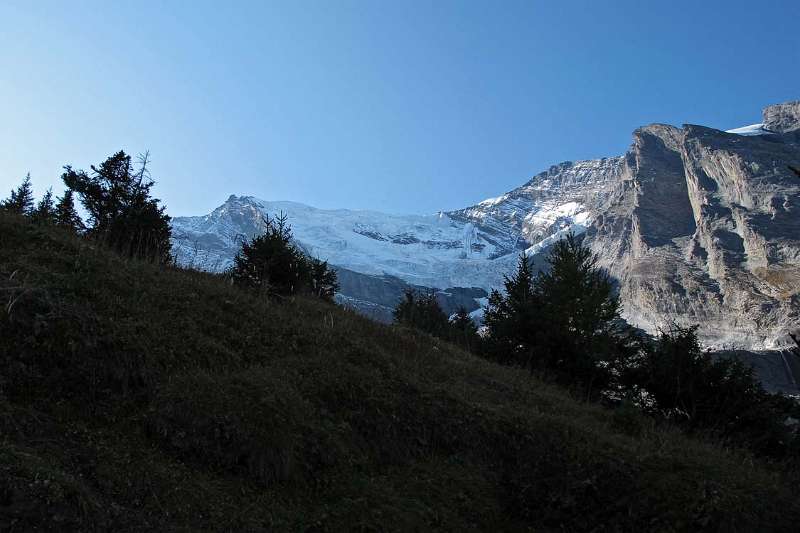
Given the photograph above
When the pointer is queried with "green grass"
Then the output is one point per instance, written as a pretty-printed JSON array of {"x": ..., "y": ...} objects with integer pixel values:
[{"x": 136, "y": 398}]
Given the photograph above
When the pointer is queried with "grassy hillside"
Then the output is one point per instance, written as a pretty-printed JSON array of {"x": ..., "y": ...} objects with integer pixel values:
[{"x": 139, "y": 398}]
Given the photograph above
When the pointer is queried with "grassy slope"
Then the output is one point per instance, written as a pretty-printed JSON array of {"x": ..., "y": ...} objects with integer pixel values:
[{"x": 136, "y": 398}]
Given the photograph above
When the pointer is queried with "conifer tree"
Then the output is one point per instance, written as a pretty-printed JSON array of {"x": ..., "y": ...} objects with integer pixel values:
[
  {"x": 272, "y": 264},
  {"x": 122, "y": 212},
  {"x": 579, "y": 314},
  {"x": 565, "y": 320},
  {"x": 45, "y": 212},
  {"x": 21, "y": 199},
  {"x": 463, "y": 330},
  {"x": 421, "y": 311},
  {"x": 65, "y": 213},
  {"x": 689, "y": 386},
  {"x": 324, "y": 282},
  {"x": 511, "y": 318}
]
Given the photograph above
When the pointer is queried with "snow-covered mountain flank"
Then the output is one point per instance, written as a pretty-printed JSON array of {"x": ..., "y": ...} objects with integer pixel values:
[{"x": 696, "y": 225}]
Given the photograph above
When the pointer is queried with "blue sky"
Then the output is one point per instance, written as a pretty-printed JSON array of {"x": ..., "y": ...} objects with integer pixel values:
[{"x": 397, "y": 106}]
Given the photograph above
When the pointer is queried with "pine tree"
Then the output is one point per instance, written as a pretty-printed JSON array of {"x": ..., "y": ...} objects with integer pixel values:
[
  {"x": 579, "y": 314},
  {"x": 421, "y": 311},
  {"x": 324, "y": 283},
  {"x": 21, "y": 200},
  {"x": 565, "y": 321},
  {"x": 270, "y": 262},
  {"x": 65, "y": 213},
  {"x": 689, "y": 386},
  {"x": 45, "y": 212},
  {"x": 463, "y": 330},
  {"x": 122, "y": 212},
  {"x": 511, "y": 318},
  {"x": 273, "y": 265}
]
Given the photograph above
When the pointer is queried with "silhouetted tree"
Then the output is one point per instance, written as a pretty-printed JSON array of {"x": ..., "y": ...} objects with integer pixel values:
[
  {"x": 121, "y": 211},
  {"x": 269, "y": 262},
  {"x": 565, "y": 321},
  {"x": 511, "y": 318},
  {"x": 680, "y": 381},
  {"x": 423, "y": 312},
  {"x": 463, "y": 330},
  {"x": 324, "y": 282},
  {"x": 272, "y": 264},
  {"x": 65, "y": 213},
  {"x": 45, "y": 212},
  {"x": 21, "y": 199},
  {"x": 579, "y": 315}
]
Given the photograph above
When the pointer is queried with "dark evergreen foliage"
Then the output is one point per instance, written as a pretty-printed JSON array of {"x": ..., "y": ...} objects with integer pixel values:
[
  {"x": 21, "y": 199},
  {"x": 270, "y": 263},
  {"x": 464, "y": 331},
  {"x": 422, "y": 311},
  {"x": 324, "y": 282},
  {"x": 579, "y": 313},
  {"x": 512, "y": 319},
  {"x": 65, "y": 213},
  {"x": 121, "y": 211},
  {"x": 676, "y": 379},
  {"x": 45, "y": 212},
  {"x": 564, "y": 321}
]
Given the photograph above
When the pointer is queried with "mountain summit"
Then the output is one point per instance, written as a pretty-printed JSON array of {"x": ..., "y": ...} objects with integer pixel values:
[{"x": 697, "y": 225}]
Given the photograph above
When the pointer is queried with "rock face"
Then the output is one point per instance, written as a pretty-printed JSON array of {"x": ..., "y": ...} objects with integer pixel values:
[
  {"x": 552, "y": 200},
  {"x": 782, "y": 118},
  {"x": 703, "y": 227},
  {"x": 696, "y": 225}
]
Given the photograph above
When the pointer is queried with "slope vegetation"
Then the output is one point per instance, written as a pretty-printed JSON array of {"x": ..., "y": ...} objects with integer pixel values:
[{"x": 136, "y": 398}]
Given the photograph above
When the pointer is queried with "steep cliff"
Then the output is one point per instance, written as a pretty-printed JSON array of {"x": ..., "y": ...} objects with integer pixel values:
[
  {"x": 697, "y": 225},
  {"x": 703, "y": 227}
]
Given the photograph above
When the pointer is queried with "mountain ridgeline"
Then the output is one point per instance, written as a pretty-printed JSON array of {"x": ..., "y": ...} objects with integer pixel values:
[{"x": 695, "y": 225}]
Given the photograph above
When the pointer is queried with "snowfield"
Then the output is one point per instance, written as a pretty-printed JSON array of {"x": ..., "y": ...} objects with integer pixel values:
[
  {"x": 473, "y": 247},
  {"x": 753, "y": 129}
]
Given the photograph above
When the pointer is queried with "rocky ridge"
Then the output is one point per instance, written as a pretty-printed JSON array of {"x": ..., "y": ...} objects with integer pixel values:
[{"x": 697, "y": 225}]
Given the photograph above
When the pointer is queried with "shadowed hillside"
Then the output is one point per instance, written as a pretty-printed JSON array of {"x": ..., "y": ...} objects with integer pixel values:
[{"x": 137, "y": 397}]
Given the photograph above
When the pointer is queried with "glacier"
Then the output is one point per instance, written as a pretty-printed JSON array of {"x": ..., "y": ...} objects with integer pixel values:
[{"x": 696, "y": 225}]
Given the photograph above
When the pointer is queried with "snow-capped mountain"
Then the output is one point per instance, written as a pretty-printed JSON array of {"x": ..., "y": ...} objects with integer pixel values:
[{"x": 697, "y": 226}]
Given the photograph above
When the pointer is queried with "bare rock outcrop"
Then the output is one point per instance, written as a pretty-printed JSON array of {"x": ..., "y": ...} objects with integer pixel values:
[
  {"x": 697, "y": 225},
  {"x": 703, "y": 227},
  {"x": 782, "y": 118}
]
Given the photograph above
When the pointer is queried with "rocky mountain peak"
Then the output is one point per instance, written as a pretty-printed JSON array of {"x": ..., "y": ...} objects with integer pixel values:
[
  {"x": 697, "y": 226},
  {"x": 782, "y": 118}
]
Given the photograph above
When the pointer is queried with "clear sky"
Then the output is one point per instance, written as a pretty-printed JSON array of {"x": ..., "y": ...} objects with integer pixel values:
[{"x": 399, "y": 106}]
